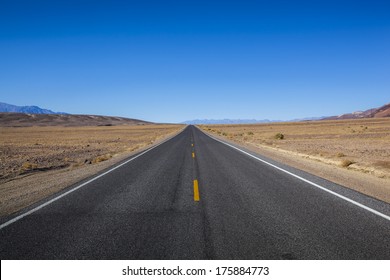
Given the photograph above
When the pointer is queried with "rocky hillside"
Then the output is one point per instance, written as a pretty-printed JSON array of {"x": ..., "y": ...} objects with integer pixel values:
[
  {"x": 381, "y": 112},
  {"x": 23, "y": 120}
]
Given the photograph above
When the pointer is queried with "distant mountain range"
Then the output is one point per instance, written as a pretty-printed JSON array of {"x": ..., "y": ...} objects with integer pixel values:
[
  {"x": 8, "y": 108},
  {"x": 226, "y": 121},
  {"x": 22, "y": 116},
  {"x": 381, "y": 112},
  {"x": 25, "y": 120},
  {"x": 244, "y": 121}
]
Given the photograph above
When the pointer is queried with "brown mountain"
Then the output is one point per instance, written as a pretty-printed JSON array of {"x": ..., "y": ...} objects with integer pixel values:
[
  {"x": 23, "y": 120},
  {"x": 381, "y": 112}
]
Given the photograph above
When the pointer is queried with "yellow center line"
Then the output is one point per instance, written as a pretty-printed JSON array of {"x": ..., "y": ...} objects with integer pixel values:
[
  {"x": 193, "y": 155},
  {"x": 196, "y": 190},
  {"x": 192, "y": 145}
]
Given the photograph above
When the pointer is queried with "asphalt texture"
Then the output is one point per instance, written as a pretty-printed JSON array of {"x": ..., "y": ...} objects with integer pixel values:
[{"x": 145, "y": 209}]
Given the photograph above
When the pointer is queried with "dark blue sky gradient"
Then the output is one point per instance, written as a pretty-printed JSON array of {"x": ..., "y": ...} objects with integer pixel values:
[{"x": 178, "y": 60}]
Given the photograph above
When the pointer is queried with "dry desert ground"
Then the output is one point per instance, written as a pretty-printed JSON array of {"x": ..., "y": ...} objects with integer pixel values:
[
  {"x": 353, "y": 153},
  {"x": 36, "y": 162}
]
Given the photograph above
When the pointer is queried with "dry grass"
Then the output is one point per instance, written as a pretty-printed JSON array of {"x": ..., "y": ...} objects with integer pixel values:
[{"x": 29, "y": 156}]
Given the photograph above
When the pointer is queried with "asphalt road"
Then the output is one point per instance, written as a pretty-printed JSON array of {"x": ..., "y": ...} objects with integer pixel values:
[{"x": 240, "y": 208}]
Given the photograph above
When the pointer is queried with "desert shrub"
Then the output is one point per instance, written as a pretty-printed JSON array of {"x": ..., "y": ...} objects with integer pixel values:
[
  {"x": 29, "y": 166},
  {"x": 250, "y": 133},
  {"x": 224, "y": 133},
  {"x": 101, "y": 158},
  {"x": 346, "y": 163},
  {"x": 279, "y": 136},
  {"x": 340, "y": 155}
]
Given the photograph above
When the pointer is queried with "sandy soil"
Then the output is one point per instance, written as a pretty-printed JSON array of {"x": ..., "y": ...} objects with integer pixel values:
[
  {"x": 353, "y": 153},
  {"x": 36, "y": 162}
]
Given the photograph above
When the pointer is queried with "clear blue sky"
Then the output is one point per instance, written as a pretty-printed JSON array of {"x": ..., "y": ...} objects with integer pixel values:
[{"x": 172, "y": 61}]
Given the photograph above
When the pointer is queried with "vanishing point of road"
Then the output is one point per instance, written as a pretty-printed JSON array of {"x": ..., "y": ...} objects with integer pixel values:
[{"x": 194, "y": 197}]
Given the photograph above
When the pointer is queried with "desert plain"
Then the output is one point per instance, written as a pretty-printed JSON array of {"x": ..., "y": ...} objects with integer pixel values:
[
  {"x": 353, "y": 153},
  {"x": 38, "y": 161}
]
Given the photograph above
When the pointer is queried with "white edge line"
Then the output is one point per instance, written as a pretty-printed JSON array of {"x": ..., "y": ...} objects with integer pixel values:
[
  {"x": 17, "y": 218},
  {"x": 305, "y": 180}
]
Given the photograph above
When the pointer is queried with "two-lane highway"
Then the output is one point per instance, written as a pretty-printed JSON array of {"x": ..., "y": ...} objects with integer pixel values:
[{"x": 193, "y": 197}]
